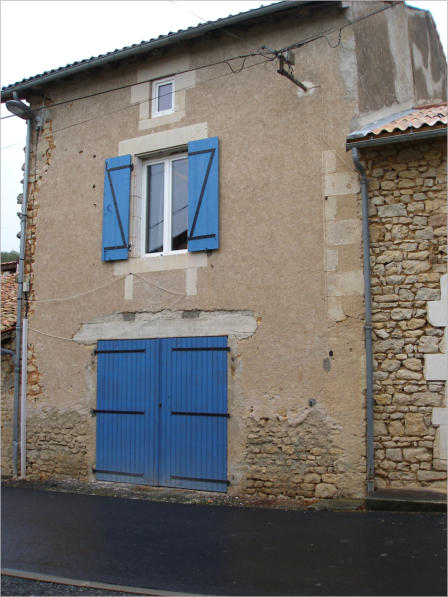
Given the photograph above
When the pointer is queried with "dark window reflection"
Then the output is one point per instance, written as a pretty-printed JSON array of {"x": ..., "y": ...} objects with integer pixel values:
[
  {"x": 154, "y": 207},
  {"x": 179, "y": 224}
]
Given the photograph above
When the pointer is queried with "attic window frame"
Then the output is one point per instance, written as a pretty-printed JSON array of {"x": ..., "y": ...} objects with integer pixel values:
[{"x": 155, "y": 97}]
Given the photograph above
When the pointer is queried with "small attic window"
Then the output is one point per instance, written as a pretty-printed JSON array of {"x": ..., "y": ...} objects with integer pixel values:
[{"x": 163, "y": 97}]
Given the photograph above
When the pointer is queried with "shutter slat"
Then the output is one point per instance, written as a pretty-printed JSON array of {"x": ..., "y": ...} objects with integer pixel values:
[
  {"x": 117, "y": 192},
  {"x": 203, "y": 194}
]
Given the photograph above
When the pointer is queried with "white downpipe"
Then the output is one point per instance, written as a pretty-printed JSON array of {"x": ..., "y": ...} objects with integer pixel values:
[{"x": 23, "y": 400}]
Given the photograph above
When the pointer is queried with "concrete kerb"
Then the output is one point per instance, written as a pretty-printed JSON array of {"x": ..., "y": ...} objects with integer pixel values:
[{"x": 88, "y": 584}]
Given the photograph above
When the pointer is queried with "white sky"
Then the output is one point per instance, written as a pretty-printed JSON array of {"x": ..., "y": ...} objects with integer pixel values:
[{"x": 37, "y": 36}]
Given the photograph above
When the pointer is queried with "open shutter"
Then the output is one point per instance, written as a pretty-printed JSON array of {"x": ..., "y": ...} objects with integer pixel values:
[
  {"x": 203, "y": 195},
  {"x": 117, "y": 192}
]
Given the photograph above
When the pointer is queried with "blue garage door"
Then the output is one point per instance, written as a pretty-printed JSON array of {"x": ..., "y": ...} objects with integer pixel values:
[{"x": 162, "y": 412}]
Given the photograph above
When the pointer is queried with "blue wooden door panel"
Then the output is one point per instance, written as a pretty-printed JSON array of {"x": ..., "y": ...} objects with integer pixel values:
[
  {"x": 197, "y": 420},
  {"x": 162, "y": 412},
  {"x": 125, "y": 410}
]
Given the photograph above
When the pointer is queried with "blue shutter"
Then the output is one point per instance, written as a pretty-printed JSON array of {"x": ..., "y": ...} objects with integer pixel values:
[
  {"x": 117, "y": 191},
  {"x": 203, "y": 195}
]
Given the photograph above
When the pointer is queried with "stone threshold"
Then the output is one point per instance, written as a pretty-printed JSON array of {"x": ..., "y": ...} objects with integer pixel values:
[{"x": 408, "y": 500}]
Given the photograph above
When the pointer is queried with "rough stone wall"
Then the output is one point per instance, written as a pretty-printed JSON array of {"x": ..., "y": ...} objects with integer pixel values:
[
  {"x": 42, "y": 147},
  {"x": 294, "y": 458},
  {"x": 56, "y": 444},
  {"x": 7, "y": 408},
  {"x": 407, "y": 190}
]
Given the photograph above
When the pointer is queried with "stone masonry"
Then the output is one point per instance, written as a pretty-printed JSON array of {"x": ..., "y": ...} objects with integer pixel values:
[
  {"x": 408, "y": 234},
  {"x": 294, "y": 458},
  {"x": 7, "y": 379}
]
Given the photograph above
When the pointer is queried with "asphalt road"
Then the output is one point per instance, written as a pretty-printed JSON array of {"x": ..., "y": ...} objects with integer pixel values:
[{"x": 219, "y": 550}]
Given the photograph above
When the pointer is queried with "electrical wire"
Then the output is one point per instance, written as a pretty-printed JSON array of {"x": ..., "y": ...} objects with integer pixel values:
[
  {"x": 128, "y": 85},
  {"x": 50, "y": 335},
  {"x": 74, "y": 296},
  {"x": 338, "y": 42},
  {"x": 158, "y": 286},
  {"x": 129, "y": 106},
  {"x": 312, "y": 38},
  {"x": 224, "y": 61}
]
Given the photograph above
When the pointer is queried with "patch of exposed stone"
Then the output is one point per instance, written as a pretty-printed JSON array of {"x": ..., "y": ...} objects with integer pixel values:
[
  {"x": 293, "y": 458},
  {"x": 7, "y": 397},
  {"x": 57, "y": 445},
  {"x": 407, "y": 184}
]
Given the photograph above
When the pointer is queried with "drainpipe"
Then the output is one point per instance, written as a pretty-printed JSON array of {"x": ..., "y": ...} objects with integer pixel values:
[
  {"x": 23, "y": 400},
  {"x": 368, "y": 322},
  {"x": 20, "y": 109}
]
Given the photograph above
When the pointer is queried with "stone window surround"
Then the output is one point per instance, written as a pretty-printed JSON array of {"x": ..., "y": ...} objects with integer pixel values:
[
  {"x": 141, "y": 148},
  {"x": 141, "y": 93}
]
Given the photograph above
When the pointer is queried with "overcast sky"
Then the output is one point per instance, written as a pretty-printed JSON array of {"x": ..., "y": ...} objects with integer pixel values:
[{"x": 40, "y": 35}]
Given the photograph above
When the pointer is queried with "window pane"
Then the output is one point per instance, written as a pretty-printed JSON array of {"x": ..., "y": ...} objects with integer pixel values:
[
  {"x": 154, "y": 208},
  {"x": 179, "y": 225},
  {"x": 165, "y": 97}
]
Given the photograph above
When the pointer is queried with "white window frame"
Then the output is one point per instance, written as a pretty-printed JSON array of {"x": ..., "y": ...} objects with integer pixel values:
[
  {"x": 155, "y": 94},
  {"x": 167, "y": 204}
]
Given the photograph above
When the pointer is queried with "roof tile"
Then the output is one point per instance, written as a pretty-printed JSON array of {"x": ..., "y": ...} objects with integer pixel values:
[
  {"x": 407, "y": 121},
  {"x": 418, "y": 117}
]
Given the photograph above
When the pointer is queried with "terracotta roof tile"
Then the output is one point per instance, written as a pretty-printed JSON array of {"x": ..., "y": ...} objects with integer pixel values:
[
  {"x": 407, "y": 121},
  {"x": 427, "y": 115},
  {"x": 9, "y": 301}
]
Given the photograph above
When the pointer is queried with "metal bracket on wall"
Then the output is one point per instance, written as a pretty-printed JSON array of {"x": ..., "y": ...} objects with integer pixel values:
[
  {"x": 96, "y": 470},
  {"x": 281, "y": 70},
  {"x": 200, "y": 479},
  {"x": 96, "y": 351},
  {"x": 94, "y": 411}
]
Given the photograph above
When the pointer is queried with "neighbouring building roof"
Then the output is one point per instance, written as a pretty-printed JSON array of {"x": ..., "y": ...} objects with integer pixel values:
[
  {"x": 9, "y": 266},
  {"x": 9, "y": 301},
  {"x": 145, "y": 46},
  {"x": 415, "y": 121}
]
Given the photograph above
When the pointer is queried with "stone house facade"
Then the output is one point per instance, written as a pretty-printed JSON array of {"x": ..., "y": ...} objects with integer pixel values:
[{"x": 224, "y": 350}]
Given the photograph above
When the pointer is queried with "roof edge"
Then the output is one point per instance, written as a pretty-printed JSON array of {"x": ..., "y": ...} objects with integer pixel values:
[
  {"x": 27, "y": 85},
  {"x": 374, "y": 140}
]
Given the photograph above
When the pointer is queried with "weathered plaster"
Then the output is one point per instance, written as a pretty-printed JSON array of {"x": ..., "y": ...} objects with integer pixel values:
[
  {"x": 429, "y": 64},
  {"x": 166, "y": 324},
  {"x": 141, "y": 146},
  {"x": 178, "y": 261}
]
